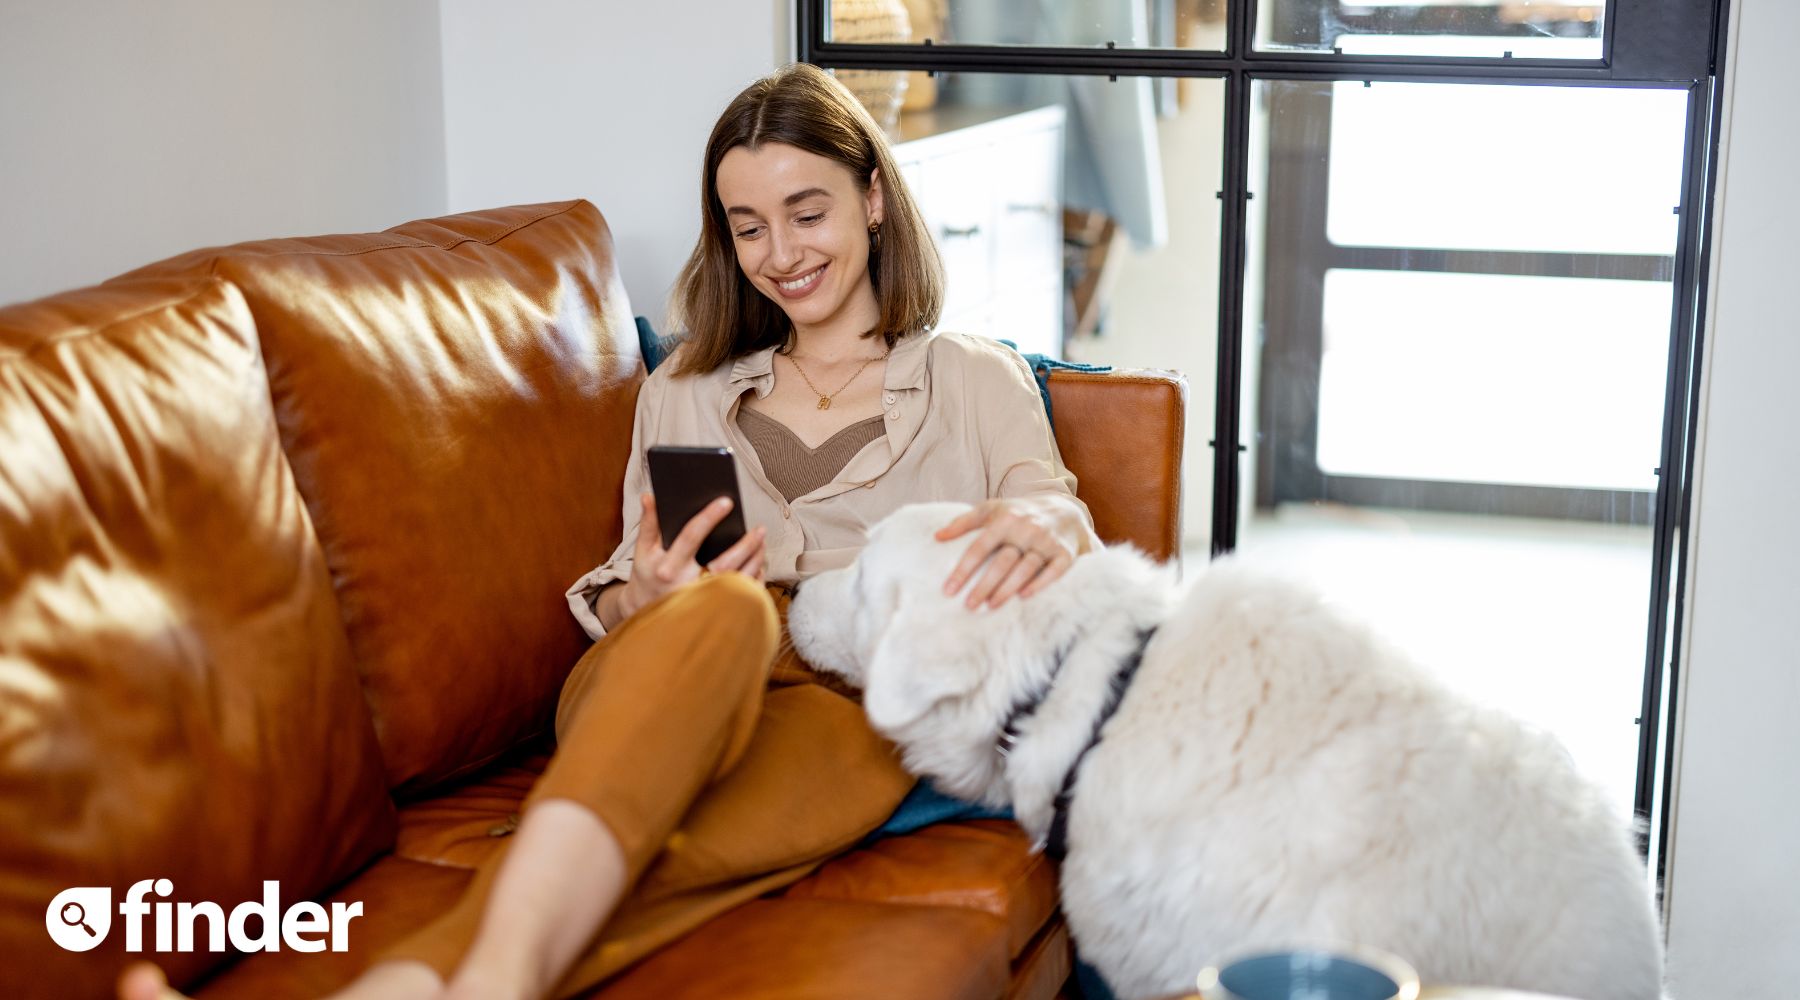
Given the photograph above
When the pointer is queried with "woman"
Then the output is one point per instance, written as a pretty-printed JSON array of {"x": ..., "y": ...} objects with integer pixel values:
[{"x": 809, "y": 302}]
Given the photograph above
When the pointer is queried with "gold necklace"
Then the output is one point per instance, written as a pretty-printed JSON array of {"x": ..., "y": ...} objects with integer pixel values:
[{"x": 825, "y": 400}]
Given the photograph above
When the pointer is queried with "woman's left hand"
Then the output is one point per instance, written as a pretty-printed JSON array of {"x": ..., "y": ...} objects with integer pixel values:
[{"x": 1027, "y": 539}]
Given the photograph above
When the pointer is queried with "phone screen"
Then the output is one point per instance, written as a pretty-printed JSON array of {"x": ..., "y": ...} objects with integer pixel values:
[{"x": 684, "y": 480}]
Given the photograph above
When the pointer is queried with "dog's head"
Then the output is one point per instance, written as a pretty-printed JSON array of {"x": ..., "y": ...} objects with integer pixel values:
[
  {"x": 941, "y": 680},
  {"x": 931, "y": 670},
  {"x": 885, "y": 624}
]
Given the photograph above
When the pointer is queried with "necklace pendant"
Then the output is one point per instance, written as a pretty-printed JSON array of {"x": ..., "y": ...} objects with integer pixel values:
[{"x": 824, "y": 402}]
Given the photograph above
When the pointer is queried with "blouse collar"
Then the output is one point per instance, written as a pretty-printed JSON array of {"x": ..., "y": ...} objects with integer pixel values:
[{"x": 905, "y": 366}]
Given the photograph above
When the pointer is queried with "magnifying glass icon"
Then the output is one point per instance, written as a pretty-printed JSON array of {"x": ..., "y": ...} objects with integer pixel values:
[{"x": 78, "y": 920}]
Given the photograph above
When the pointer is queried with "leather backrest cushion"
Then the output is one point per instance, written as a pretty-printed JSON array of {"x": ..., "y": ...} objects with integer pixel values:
[
  {"x": 177, "y": 696},
  {"x": 456, "y": 398},
  {"x": 1120, "y": 433}
]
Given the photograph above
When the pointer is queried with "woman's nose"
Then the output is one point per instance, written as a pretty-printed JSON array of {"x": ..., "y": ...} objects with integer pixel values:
[{"x": 784, "y": 250}]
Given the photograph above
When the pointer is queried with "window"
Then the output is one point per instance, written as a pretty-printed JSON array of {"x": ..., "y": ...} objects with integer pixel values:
[{"x": 1433, "y": 271}]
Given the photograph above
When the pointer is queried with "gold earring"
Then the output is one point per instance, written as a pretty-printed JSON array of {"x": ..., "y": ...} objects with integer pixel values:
[{"x": 874, "y": 237}]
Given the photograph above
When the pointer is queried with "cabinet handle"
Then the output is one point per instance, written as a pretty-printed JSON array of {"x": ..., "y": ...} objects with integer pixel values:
[
  {"x": 954, "y": 232},
  {"x": 1040, "y": 207}
]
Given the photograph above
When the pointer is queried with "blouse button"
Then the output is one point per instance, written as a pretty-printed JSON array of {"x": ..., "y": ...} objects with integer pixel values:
[
  {"x": 888, "y": 399},
  {"x": 785, "y": 513},
  {"x": 893, "y": 414}
]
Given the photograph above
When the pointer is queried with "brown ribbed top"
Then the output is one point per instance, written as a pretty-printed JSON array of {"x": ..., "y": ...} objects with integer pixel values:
[{"x": 791, "y": 466}]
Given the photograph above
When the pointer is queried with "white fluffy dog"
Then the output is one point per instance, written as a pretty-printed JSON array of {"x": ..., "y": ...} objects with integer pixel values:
[{"x": 1273, "y": 775}]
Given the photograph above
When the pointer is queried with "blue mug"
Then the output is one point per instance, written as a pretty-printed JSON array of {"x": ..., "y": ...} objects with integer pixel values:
[{"x": 1355, "y": 974}]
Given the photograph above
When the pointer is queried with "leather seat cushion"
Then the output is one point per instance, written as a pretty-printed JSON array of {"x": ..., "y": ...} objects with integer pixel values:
[
  {"x": 814, "y": 949},
  {"x": 1040, "y": 972},
  {"x": 985, "y": 865},
  {"x": 457, "y": 826}
]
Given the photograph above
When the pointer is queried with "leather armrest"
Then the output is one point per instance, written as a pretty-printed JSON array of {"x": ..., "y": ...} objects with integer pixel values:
[{"x": 1120, "y": 432}]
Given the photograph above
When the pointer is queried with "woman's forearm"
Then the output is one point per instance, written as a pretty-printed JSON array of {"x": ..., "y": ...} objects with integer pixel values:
[
  {"x": 1081, "y": 534},
  {"x": 1068, "y": 521},
  {"x": 609, "y": 606}
]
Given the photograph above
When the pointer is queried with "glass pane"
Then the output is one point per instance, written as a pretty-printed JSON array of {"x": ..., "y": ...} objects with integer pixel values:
[
  {"x": 1524, "y": 29},
  {"x": 1588, "y": 352},
  {"x": 1458, "y": 443},
  {"x": 1078, "y": 218},
  {"x": 1455, "y": 156},
  {"x": 1125, "y": 24}
]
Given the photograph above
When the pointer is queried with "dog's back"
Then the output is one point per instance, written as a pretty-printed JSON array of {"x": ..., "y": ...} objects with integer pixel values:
[{"x": 1278, "y": 775}]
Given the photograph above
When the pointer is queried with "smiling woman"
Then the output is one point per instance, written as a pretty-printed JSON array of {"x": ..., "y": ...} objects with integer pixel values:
[{"x": 801, "y": 194}]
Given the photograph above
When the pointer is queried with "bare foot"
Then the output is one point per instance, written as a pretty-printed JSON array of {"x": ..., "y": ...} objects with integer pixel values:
[
  {"x": 394, "y": 980},
  {"x": 385, "y": 980},
  {"x": 489, "y": 984},
  {"x": 144, "y": 981}
]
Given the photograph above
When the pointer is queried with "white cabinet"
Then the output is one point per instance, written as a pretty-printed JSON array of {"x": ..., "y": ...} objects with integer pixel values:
[{"x": 989, "y": 183}]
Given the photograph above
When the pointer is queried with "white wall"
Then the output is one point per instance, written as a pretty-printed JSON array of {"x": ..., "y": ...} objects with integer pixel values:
[
  {"x": 609, "y": 101},
  {"x": 133, "y": 131},
  {"x": 1733, "y": 887}
]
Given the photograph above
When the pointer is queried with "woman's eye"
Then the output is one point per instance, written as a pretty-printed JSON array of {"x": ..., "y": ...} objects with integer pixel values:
[
  {"x": 809, "y": 220},
  {"x": 750, "y": 233}
]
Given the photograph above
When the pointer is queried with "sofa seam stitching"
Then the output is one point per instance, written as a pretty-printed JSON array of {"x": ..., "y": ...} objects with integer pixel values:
[
  {"x": 214, "y": 281},
  {"x": 497, "y": 237}
]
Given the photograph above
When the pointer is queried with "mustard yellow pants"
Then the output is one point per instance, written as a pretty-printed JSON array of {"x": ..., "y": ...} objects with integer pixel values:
[{"x": 724, "y": 766}]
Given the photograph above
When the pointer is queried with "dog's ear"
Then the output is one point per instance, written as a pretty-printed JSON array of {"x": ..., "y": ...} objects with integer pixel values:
[{"x": 926, "y": 656}]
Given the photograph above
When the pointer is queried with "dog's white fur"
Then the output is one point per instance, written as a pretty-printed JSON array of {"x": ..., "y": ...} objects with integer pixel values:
[{"x": 1274, "y": 776}]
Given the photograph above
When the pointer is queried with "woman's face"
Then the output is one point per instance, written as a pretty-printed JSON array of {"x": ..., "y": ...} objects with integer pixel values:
[{"x": 801, "y": 229}]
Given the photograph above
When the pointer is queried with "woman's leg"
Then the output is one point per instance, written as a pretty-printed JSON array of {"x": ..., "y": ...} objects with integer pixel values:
[
  {"x": 813, "y": 782},
  {"x": 561, "y": 875},
  {"x": 651, "y": 715}
]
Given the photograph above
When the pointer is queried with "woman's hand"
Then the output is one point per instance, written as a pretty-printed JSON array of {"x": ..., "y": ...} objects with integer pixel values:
[
  {"x": 655, "y": 570},
  {"x": 1033, "y": 541}
]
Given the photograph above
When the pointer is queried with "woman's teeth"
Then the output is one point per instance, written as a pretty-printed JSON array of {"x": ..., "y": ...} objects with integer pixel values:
[{"x": 799, "y": 283}]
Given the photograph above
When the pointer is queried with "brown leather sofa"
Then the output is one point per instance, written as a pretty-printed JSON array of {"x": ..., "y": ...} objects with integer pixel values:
[{"x": 284, "y": 530}]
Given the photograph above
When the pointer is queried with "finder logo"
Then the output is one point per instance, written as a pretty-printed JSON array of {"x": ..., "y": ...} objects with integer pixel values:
[{"x": 79, "y": 919}]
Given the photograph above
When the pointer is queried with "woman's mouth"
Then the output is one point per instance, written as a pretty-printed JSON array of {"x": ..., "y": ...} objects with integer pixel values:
[{"x": 802, "y": 286}]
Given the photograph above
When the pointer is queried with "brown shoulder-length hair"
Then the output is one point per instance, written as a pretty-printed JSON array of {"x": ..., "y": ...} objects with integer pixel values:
[{"x": 724, "y": 316}]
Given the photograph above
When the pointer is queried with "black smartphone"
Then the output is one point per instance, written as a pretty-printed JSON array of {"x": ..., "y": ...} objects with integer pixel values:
[{"x": 684, "y": 480}]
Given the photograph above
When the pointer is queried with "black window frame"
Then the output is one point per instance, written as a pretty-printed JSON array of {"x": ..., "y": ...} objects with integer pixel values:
[{"x": 1669, "y": 44}]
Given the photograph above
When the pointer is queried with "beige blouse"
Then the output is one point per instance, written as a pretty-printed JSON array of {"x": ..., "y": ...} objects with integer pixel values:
[{"x": 964, "y": 422}]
